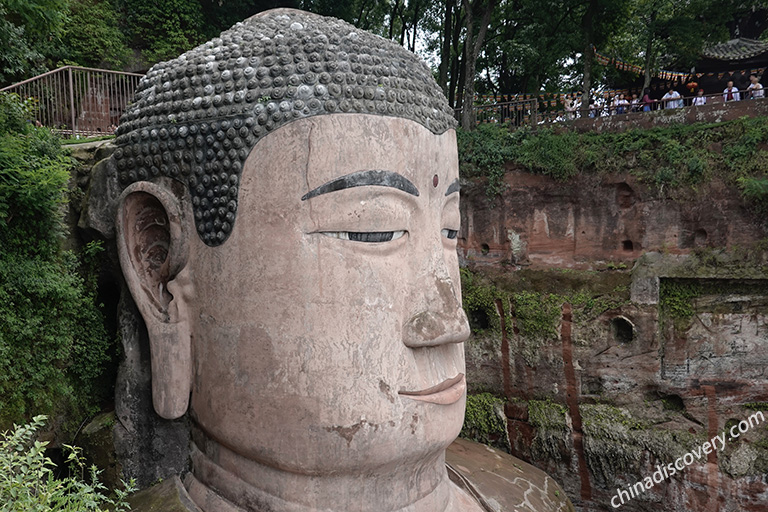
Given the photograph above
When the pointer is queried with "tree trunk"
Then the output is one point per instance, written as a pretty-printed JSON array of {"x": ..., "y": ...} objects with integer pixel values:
[
  {"x": 457, "y": 68},
  {"x": 445, "y": 53},
  {"x": 589, "y": 55},
  {"x": 414, "y": 25},
  {"x": 649, "y": 52},
  {"x": 460, "y": 79},
  {"x": 472, "y": 47},
  {"x": 392, "y": 17}
]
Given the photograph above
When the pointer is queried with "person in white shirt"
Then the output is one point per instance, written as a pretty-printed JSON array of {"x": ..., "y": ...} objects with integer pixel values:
[
  {"x": 700, "y": 99},
  {"x": 755, "y": 89},
  {"x": 621, "y": 104},
  {"x": 672, "y": 99},
  {"x": 731, "y": 93}
]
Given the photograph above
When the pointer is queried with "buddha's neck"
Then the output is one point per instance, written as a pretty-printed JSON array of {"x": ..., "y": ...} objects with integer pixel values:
[{"x": 223, "y": 481}]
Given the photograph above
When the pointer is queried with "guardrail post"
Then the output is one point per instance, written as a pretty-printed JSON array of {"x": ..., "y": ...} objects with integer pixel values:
[{"x": 71, "y": 100}]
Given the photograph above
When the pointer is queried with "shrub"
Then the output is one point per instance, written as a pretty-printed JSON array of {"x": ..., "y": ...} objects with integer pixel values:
[
  {"x": 15, "y": 114},
  {"x": 27, "y": 481},
  {"x": 53, "y": 343}
]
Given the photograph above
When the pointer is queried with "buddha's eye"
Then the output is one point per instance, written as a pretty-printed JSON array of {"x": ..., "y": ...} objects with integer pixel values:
[
  {"x": 450, "y": 233},
  {"x": 366, "y": 236}
]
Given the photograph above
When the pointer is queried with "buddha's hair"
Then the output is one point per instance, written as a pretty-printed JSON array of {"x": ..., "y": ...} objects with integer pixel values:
[{"x": 196, "y": 118}]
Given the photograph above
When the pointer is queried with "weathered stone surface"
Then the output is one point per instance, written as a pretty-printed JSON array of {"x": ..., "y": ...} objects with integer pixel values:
[
  {"x": 98, "y": 212},
  {"x": 97, "y": 441},
  {"x": 541, "y": 222},
  {"x": 148, "y": 447},
  {"x": 655, "y": 375},
  {"x": 91, "y": 152},
  {"x": 167, "y": 496},
  {"x": 503, "y": 482}
]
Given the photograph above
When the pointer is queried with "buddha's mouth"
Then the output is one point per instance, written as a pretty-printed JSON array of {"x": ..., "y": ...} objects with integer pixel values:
[{"x": 447, "y": 392}]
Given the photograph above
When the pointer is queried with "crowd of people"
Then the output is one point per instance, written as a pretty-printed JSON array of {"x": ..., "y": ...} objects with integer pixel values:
[{"x": 622, "y": 103}]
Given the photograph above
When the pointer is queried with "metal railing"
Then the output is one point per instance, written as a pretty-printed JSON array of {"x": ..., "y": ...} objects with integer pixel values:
[
  {"x": 532, "y": 112},
  {"x": 512, "y": 113},
  {"x": 77, "y": 101},
  {"x": 604, "y": 109}
]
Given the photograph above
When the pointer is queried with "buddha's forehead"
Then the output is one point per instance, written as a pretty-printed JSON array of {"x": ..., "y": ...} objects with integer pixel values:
[
  {"x": 343, "y": 144},
  {"x": 198, "y": 117},
  {"x": 316, "y": 152}
]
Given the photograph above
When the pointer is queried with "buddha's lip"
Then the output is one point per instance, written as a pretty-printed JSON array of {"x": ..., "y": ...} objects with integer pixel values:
[{"x": 447, "y": 392}]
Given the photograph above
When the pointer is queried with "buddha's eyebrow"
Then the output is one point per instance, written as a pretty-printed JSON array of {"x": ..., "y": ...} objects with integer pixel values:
[
  {"x": 363, "y": 179},
  {"x": 453, "y": 187}
]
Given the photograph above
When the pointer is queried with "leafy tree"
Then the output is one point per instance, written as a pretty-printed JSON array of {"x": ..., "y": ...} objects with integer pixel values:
[
  {"x": 163, "y": 29},
  {"x": 26, "y": 27},
  {"x": 219, "y": 15},
  {"x": 600, "y": 20},
  {"x": 477, "y": 17},
  {"x": 92, "y": 36},
  {"x": 527, "y": 46},
  {"x": 54, "y": 349}
]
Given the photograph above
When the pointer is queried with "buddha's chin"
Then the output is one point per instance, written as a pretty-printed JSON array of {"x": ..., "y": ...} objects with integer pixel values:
[{"x": 416, "y": 438}]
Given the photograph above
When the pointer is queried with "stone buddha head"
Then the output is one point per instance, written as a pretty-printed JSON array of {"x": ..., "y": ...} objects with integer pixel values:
[{"x": 288, "y": 230}]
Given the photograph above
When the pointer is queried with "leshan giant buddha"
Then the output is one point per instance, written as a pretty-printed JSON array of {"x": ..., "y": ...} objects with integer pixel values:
[{"x": 288, "y": 230}]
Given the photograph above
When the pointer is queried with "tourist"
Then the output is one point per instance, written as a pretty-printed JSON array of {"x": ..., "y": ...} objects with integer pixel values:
[
  {"x": 647, "y": 101},
  {"x": 672, "y": 99},
  {"x": 577, "y": 106},
  {"x": 731, "y": 93},
  {"x": 621, "y": 104},
  {"x": 755, "y": 88},
  {"x": 613, "y": 105},
  {"x": 635, "y": 103},
  {"x": 700, "y": 99},
  {"x": 593, "y": 108},
  {"x": 568, "y": 106}
]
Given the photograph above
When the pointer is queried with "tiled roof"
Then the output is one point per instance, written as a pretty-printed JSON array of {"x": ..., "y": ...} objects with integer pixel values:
[{"x": 736, "y": 49}]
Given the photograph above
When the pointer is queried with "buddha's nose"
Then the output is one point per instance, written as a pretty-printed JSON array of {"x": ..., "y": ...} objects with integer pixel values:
[{"x": 440, "y": 319}]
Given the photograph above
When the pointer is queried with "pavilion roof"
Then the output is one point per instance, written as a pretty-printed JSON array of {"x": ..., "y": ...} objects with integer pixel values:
[{"x": 736, "y": 49}]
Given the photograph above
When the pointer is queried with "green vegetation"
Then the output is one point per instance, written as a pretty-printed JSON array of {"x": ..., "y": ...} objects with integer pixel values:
[
  {"x": 552, "y": 431},
  {"x": 667, "y": 158},
  {"x": 27, "y": 481},
  {"x": 711, "y": 276},
  {"x": 546, "y": 414},
  {"x": 95, "y": 138},
  {"x": 675, "y": 298},
  {"x": 533, "y": 306},
  {"x": 479, "y": 302},
  {"x": 28, "y": 30},
  {"x": 92, "y": 36},
  {"x": 538, "y": 314},
  {"x": 484, "y": 420},
  {"x": 54, "y": 349},
  {"x": 164, "y": 30}
]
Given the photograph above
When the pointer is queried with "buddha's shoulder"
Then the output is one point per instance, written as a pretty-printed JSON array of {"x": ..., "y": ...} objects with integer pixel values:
[{"x": 502, "y": 482}]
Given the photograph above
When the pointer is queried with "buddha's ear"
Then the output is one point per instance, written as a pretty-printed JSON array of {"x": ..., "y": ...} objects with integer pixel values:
[{"x": 153, "y": 244}]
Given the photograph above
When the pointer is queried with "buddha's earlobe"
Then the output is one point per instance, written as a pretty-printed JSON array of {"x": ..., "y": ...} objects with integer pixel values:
[{"x": 153, "y": 245}]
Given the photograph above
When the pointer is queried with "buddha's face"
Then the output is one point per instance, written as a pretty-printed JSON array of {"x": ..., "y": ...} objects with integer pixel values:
[{"x": 327, "y": 331}]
